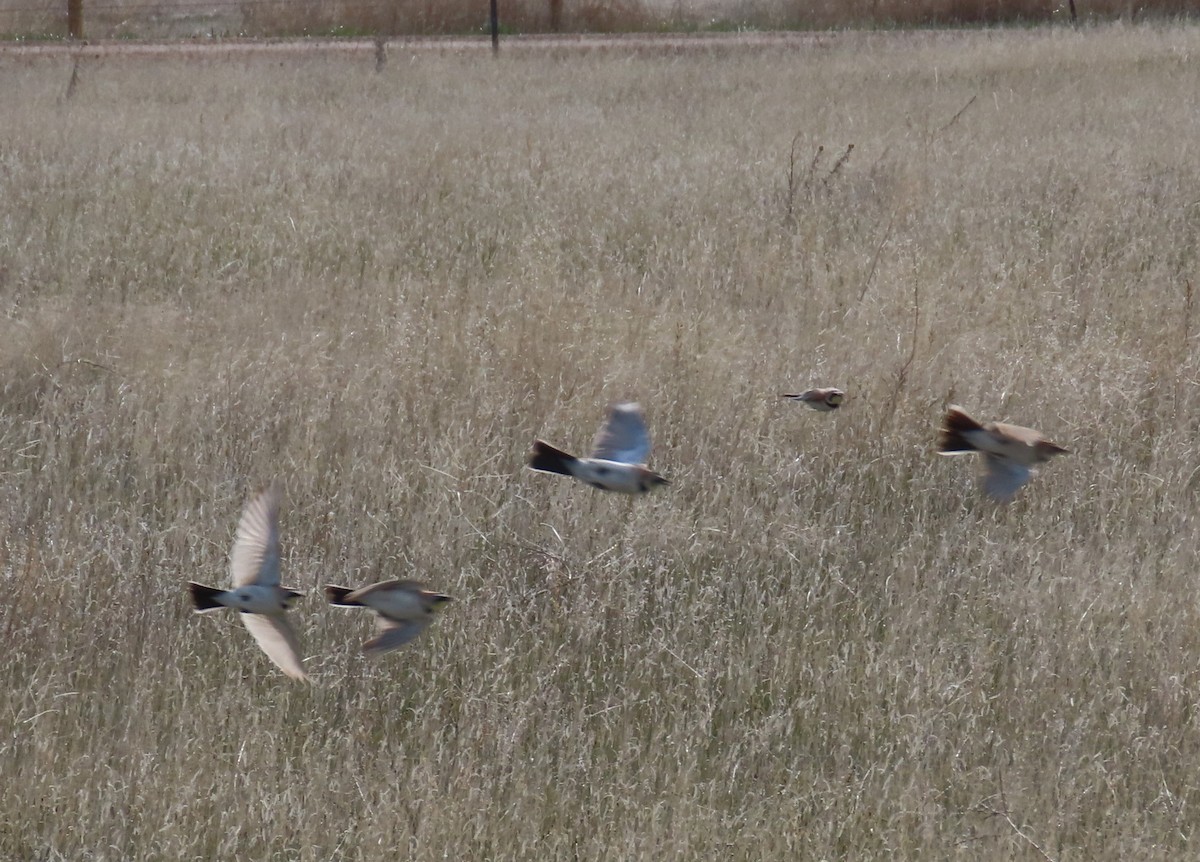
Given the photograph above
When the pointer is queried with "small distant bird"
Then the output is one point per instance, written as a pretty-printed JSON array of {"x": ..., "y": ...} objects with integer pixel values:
[
  {"x": 254, "y": 565},
  {"x": 403, "y": 609},
  {"x": 1010, "y": 451},
  {"x": 618, "y": 459},
  {"x": 824, "y": 400}
]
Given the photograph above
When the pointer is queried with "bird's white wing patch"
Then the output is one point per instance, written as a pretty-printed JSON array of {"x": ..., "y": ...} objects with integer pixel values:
[
  {"x": 1004, "y": 477},
  {"x": 394, "y": 635},
  {"x": 278, "y": 640},
  {"x": 255, "y": 555},
  {"x": 624, "y": 436}
]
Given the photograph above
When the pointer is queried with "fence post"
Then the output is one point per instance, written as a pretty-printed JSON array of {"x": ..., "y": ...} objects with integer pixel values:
[
  {"x": 495, "y": 22},
  {"x": 75, "y": 19}
]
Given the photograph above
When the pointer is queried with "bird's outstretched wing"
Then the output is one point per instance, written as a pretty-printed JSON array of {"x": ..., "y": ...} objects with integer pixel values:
[
  {"x": 393, "y": 635},
  {"x": 255, "y": 555},
  {"x": 624, "y": 436},
  {"x": 1004, "y": 477},
  {"x": 278, "y": 640}
]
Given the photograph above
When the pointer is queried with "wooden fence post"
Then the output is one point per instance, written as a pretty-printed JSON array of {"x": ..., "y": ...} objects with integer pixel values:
[
  {"x": 495, "y": 22},
  {"x": 75, "y": 19}
]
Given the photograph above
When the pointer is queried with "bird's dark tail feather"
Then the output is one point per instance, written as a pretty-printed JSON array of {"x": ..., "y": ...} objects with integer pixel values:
[
  {"x": 550, "y": 460},
  {"x": 955, "y": 425},
  {"x": 337, "y": 596},
  {"x": 204, "y": 598}
]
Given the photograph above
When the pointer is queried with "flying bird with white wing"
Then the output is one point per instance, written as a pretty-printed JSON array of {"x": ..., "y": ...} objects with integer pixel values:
[
  {"x": 618, "y": 459},
  {"x": 1010, "y": 452},
  {"x": 256, "y": 593},
  {"x": 403, "y": 609}
]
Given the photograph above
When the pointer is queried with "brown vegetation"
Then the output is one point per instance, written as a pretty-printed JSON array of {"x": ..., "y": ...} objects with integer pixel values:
[{"x": 819, "y": 642}]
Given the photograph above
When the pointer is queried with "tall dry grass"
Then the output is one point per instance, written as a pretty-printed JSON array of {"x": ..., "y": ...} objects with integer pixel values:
[{"x": 818, "y": 643}]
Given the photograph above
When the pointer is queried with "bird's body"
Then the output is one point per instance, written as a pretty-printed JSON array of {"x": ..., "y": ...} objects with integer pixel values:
[
  {"x": 618, "y": 459},
  {"x": 825, "y": 400},
  {"x": 252, "y": 599},
  {"x": 1010, "y": 451},
  {"x": 598, "y": 472},
  {"x": 403, "y": 609},
  {"x": 256, "y": 593}
]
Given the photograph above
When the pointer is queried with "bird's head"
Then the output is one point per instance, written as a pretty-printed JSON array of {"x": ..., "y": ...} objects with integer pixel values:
[
  {"x": 290, "y": 597},
  {"x": 1047, "y": 450},
  {"x": 651, "y": 480}
]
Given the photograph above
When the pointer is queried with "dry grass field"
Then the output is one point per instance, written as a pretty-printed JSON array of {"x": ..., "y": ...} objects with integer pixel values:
[{"x": 818, "y": 643}]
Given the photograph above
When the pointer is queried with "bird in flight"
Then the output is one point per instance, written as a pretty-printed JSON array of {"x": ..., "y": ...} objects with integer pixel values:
[
  {"x": 403, "y": 610},
  {"x": 824, "y": 400},
  {"x": 618, "y": 459},
  {"x": 1009, "y": 451},
  {"x": 256, "y": 593}
]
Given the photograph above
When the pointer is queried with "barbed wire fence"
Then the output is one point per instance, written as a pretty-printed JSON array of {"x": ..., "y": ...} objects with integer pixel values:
[
  {"x": 173, "y": 19},
  {"x": 158, "y": 19}
]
